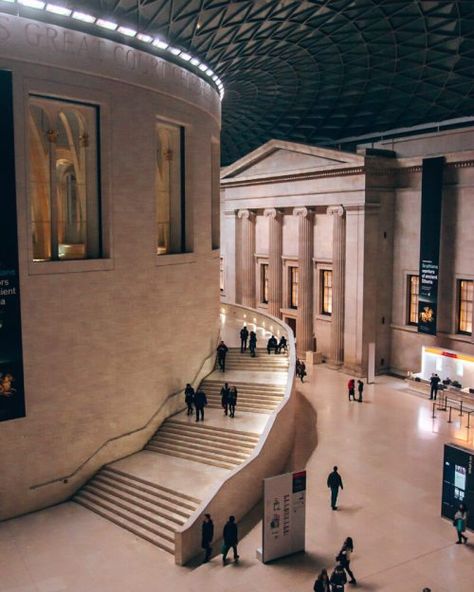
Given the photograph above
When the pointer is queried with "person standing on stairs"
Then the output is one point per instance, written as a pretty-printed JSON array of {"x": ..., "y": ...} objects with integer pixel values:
[
  {"x": 207, "y": 536},
  {"x": 222, "y": 350},
  {"x": 231, "y": 538},
  {"x": 189, "y": 398},
  {"x": 225, "y": 393},
  {"x": 252, "y": 343},
  {"x": 200, "y": 401},
  {"x": 244, "y": 335},
  {"x": 232, "y": 400}
]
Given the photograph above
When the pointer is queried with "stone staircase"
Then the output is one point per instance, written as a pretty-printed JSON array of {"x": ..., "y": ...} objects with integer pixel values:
[
  {"x": 263, "y": 362},
  {"x": 146, "y": 509},
  {"x": 220, "y": 447},
  {"x": 251, "y": 397}
]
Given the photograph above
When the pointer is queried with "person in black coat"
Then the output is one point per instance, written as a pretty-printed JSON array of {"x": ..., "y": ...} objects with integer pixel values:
[
  {"x": 232, "y": 400},
  {"x": 189, "y": 398},
  {"x": 225, "y": 393},
  {"x": 360, "y": 388},
  {"x": 344, "y": 558},
  {"x": 434, "y": 382},
  {"x": 207, "y": 536},
  {"x": 334, "y": 482},
  {"x": 252, "y": 343},
  {"x": 338, "y": 579},
  {"x": 244, "y": 335},
  {"x": 222, "y": 350},
  {"x": 200, "y": 401},
  {"x": 230, "y": 536},
  {"x": 322, "y": 582},
  {"x": 282, "y": 344},
  {"x": 272, "y": 344}
]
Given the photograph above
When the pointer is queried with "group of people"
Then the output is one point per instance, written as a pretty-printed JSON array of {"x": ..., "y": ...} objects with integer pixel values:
[
  {"x": 229, "y": 535},
  {"x": 300, "y": 369},
  {"x": 250, "y": 338},
  {"x": 351, "y": 390},
  {"x": 229, "y": 399},
  {"x": 338, "y": 579},
  {"x": 195, "y": 400},
  {"x": 277, "y": 346}
]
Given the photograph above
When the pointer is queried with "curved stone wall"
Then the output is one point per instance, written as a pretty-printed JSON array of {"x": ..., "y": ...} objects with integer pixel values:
[{"x": 108, "y": 340}]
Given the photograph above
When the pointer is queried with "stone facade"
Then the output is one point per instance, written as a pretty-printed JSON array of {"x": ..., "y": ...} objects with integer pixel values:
[
  {"x": 108, "y": 340},
  {"x": 365, "y": 211}
]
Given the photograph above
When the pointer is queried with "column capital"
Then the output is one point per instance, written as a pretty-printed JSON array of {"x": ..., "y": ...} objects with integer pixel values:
[
  {"x": 336, "y": 211},
  {"x": 272, "y": 213},
  {"x": 302, "y": 212},
  {"x": 246, "y": 214}
]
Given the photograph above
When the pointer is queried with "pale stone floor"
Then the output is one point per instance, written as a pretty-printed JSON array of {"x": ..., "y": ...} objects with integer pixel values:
[{"x": 389, "y": 452}]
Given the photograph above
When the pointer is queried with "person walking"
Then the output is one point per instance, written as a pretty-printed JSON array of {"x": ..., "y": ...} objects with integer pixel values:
[
  {"x": 351, "y": 389},
  {"x": 334, "y": 482},
  {"x": 252, "y": 343},
  {"x": 302, "y": 370},
  {"x": 225, "y": 392},
  {"x": 222, "y": 350},
  {"x": 200, "y": 401},
  {"x": 231, "y": 539},
  {"x": 232, "y": 400},
  {"x": 282, "y": 345},
  {"x": 459, "y": 524},
  {"x": 207, "y": 536},
  {"x": 189, "y": 398},
  {"x": 244, "y": 335},
  {"x": 338, "y": 579},
  {"x": 360, "y": 388},
  {"x": 434, "y": 382},
  {"x": 344, "y": 558},
  {"x": 322, "y": 582}
]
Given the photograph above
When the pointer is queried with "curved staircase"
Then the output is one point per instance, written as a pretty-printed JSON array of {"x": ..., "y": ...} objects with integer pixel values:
[{"x": 251, "y": 397}]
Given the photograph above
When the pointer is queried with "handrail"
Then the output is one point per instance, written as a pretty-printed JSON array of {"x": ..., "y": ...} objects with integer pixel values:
[
  {"x": 124, "y": 435},
  {"x": 241, "y": 489}
]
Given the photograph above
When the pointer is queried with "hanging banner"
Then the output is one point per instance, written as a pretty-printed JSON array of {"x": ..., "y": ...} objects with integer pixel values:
[
  {"x": 12, "y": 398},
  {"x": 284, "y": 515},
  {"x": 431, "y": 200}
]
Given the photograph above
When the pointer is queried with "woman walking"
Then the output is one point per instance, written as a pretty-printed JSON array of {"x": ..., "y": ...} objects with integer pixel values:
[
  {"x": 459, "y": 523},
  {"x": 338, "y": 579},
  {"x": 322, "y": 582},
  {"x": 344, "y": 558}
]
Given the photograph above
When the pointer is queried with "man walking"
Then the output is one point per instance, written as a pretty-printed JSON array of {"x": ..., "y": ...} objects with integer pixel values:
[
  {"x": 334, "y": 482},
  {"x": 200, "y": 401},
  {"x": 244, "y": 335},
  {"x": 222, "y": 350},
  {"x": 207, "y": 536},
  {"x": 225, "y": 392},
  {"x": 230, "y": 536}
]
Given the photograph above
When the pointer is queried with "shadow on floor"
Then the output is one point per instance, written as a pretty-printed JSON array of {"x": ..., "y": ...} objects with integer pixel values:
[{"x": 306, "y": 436}]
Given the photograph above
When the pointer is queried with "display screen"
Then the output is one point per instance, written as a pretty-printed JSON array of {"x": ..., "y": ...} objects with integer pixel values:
[{"x": 460, "y": 477}]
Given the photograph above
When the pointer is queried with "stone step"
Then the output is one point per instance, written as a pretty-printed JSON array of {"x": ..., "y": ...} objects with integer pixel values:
[
  {"x": 142, "y": 509},
  {"x": 250, "y": 436},
  {"x": 209, "y": 437},
  {"x": 247, "y": 396},
  {"x": 236, "y": 350},
  {"x": 205, "y": 461},
  {"x": 210, "y": 454},
  {"x": 196, "y": 440},
  {"x": 131, "y": 524},
  {"x": 243, "y": 388},
  {"x": 162, "y": 507},
  {"x": 244, "y": 409},
  {"x": 242, "y": 384},
  {"x": 172, "y": 495},
  {"x": 193, "y": 444},
  {"x": 216, "y": 404}
]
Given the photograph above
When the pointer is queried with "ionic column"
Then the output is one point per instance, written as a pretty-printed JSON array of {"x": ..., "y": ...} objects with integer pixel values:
[
  {"x": 336, "y": 352},
  {"x": 304, "y": 321},
  {"x": 275, "y": 251},
  {"x": 247, "y": 257}
]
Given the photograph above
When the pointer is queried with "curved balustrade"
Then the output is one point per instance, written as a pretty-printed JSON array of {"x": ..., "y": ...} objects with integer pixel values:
[{"x": 242, "y": 489}]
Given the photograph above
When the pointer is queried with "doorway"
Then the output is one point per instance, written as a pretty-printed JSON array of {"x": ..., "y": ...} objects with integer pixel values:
[{"x": 292, "y": 324}]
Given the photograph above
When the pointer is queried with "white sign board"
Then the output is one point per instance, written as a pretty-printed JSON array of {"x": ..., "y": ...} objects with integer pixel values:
[{"x": 284, "y": 515}]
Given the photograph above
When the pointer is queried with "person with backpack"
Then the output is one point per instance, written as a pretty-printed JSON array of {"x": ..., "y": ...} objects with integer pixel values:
[{"x": 344, "y": 558}]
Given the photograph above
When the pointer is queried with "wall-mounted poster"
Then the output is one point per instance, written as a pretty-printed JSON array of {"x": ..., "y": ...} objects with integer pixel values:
[
  {"x": 12, "y": 396},
  {"x": 431, "y": 200}
]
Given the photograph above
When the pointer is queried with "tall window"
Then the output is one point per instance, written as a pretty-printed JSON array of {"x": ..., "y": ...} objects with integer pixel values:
[
  {"x": 221, "y": 273},
  {"x": 63, "y": 180},
  {"x": 293, "y": 273},
  {"x": 465, "y": 290},
  {"x": 413, "y": 286},
  {"x": 170, "y": 203},
  {"x": 264, "y": 283},
  {"x": 326, "y": 292}
]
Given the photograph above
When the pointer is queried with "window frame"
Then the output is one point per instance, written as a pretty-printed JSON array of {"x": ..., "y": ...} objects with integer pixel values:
[
  {"x": 322, "y": 292},
  {"x": 459, "y": 303},
  {"x": 412, "y": 299},
  {"x": 264, "y": 282},
  {"x": 293, "y": 286}
]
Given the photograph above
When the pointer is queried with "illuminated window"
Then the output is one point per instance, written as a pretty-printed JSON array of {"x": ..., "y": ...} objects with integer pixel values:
[
  {"x": 326, "y": 292},
  {"x": 293, "y": 275},
  {"x": 465, "y": 289},
  {"x": 170, "y": 199},
  {"x": 413, "y": 286},
  {"x": 221, "y": 273},
  {"x": 264, "y": 283},
  {"x": 63, "y": 180}
]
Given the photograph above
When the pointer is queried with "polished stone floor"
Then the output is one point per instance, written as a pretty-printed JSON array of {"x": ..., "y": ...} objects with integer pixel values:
[{"x": 389, "y": 452}]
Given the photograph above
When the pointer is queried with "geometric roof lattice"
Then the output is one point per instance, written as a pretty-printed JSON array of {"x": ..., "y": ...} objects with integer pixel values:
[{"x": 314, "y": 71}]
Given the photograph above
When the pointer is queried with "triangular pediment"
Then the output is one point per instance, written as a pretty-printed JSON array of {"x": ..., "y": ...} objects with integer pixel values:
[{"x": 277, "y": 157}]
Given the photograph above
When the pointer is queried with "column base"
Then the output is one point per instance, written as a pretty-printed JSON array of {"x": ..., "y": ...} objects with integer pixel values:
[{"x": 334, "y": 364}]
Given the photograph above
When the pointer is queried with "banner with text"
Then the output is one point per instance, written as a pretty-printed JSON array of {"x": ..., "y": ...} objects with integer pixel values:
[
  {"x": 284, "y": 515},
  {"x": 431, "y": 201},
  {"x": 12, "y": 398}
]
